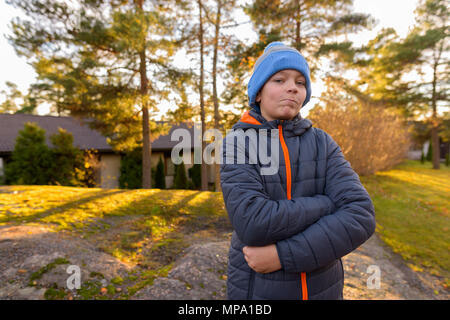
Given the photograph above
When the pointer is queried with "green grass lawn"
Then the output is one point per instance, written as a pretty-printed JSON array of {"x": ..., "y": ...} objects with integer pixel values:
[{"x": 412, "y": 208}]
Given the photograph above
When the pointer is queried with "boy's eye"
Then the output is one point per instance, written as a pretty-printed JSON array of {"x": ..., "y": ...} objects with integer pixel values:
[{"x": 302, "y": 83}]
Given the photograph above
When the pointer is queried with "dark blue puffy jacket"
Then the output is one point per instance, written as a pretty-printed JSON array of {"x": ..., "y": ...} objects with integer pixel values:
[{"x": 314, "y": 209}]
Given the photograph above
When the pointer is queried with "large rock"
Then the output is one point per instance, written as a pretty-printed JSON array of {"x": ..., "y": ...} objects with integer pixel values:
[
  {"x": 37, "y": 256},
  {"x": 199, "y": 274}
]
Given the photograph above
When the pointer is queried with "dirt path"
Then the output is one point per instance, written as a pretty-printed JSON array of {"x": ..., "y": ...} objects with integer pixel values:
[
  {"x": 397, "y": 281},
  {"x": 34, "y": 259}
]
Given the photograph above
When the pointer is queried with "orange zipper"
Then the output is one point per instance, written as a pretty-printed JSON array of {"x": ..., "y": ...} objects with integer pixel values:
[
  {"x": 288, "y": 192},
  {"x": 287, "y": 160},
  {"x": 304, "y": 287}
]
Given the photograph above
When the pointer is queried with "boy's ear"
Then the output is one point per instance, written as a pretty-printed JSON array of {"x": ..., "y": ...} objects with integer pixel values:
[{"x": 258, "y": 97}]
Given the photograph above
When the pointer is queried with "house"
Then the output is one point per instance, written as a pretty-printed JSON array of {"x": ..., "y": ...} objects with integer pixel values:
[
  {"x": 420, "y": 142},
  {"x": 162, "y": 147},
  {"x": 108, "y": 171}
]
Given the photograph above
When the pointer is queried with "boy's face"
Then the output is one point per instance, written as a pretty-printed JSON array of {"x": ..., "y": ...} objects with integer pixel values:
[{"x": 282, "y": 95}]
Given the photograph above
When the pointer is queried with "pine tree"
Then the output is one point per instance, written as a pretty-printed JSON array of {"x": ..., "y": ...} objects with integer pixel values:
[
  {"x": 432, "y": 32},
  {"x": 116, "y": 57},
  {"x": 31, "y": 158},
  {"x": 131, "y": 169},
  {"x": 307, "y": 25},
  {"x": 65, "y": 157},
  {"x": 195, "y": 175},
  {"x": 180, "y": 180},
  {"x": 384, "y": 62},
  {"x": 430, "y": 151},
  {"x": 160, "y": 178}
]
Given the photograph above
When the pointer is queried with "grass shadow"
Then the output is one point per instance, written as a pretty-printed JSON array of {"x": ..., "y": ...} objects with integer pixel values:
[{"x": 62, "y": 208}]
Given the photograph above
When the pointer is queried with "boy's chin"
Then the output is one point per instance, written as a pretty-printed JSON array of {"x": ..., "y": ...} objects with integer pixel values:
[
  {"x": 287, "y": 116},
  {"x": 281, "y": 114}
]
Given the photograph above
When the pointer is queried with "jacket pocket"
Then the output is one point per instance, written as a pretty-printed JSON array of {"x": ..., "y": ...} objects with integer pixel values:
[{"x": 277, "y": 286}]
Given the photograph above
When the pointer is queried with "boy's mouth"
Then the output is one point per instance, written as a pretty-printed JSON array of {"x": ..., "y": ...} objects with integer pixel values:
[{"x": 290, "y": 101}]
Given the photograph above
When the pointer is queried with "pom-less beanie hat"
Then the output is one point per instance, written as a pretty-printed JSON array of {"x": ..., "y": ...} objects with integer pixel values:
[{"x": 276, "y": 57}]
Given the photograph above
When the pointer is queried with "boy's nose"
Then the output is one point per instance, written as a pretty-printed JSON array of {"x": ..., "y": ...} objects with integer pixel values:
[{"x": 291, "y": 86}]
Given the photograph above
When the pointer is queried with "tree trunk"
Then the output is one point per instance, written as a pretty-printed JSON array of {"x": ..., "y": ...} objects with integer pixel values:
[
  {"x": 204, "y": 180},
  {"x": 146, "y": 151},
  {"x": 435, "y": 124},
  {"x": 436, "y": 147},
  {"x": 146, "y": 143},
  {"x": 215, "y": 99},
  {"x": 298, "y": 39}
]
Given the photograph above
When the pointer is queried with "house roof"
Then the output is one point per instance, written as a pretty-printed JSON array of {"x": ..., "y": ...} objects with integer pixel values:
[
  {"x": 163, "y": 143},
  {"x": 83, "y": 136}
]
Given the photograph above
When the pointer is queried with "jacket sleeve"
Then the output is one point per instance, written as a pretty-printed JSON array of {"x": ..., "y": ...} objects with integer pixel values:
[
  {"x": 257, "y": 219},
  {"x": 335, "y": 235}
]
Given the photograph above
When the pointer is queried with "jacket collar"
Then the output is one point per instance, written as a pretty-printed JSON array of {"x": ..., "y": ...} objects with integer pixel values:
[{"x": 252, "y": 119}]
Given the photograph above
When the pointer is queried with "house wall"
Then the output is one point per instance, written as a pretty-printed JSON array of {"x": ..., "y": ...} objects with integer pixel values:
[
  {"x": 414, "y": 154},
  {"x": 109, "y": 171}
]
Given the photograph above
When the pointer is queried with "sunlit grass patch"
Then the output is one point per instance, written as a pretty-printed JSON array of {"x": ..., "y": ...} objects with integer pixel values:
[{"x": 412, "y": 212}]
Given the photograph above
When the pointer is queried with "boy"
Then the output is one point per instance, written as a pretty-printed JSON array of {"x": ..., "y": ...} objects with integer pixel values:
[{"x": 290, "y": 228}]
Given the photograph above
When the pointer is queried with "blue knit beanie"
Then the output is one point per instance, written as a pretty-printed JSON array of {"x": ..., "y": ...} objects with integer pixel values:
[{"x": 276, "y": 57}]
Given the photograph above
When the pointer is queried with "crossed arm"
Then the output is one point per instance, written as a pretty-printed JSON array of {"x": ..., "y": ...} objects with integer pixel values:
[{"x": 301, "y": 234}]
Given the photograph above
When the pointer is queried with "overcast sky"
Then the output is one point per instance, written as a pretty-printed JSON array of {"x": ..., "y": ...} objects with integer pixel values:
[{"x": 398, "y": 14}]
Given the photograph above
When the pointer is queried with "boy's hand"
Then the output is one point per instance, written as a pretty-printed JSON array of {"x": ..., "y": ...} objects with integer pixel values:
[{"x": 262, "y": 259}]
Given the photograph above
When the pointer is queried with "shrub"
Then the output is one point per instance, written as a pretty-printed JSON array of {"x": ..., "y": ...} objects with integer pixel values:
[
  {"x": 87, "y": 168},
  {"x": 180, "y": 180},
  {"x": 31, "y": 159},
  {"x": 65, "y": 157},
  {"x": 32, "y": 162},
  {"x": 430, "y": 152},
  {"x": 131, "y": 170},
  {"x": 195, "y": 174},
  {"x": 160, "y": 179},
  {"x": 371, "y": 138}
]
